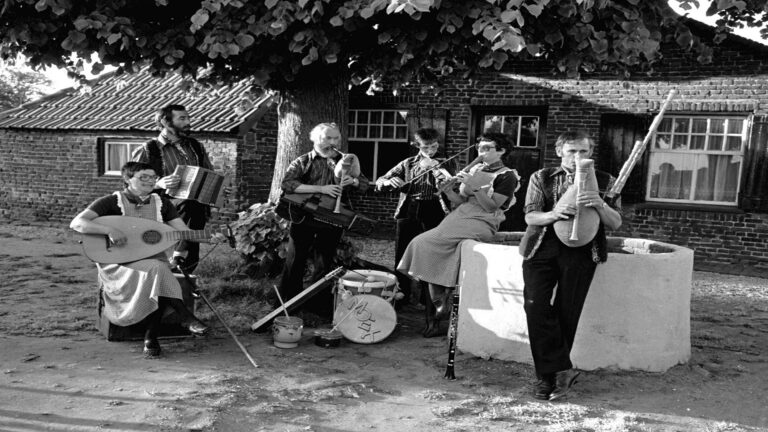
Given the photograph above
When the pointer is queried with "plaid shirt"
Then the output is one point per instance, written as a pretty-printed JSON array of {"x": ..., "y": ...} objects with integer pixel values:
[
  {"x": 313, "y": 169},
  {"x": 545, "y": 188},
  {"x": 180, "y": 152}
]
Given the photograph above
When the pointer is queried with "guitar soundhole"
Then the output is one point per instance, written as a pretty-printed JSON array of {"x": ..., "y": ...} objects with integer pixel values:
[{"x": 151, "y": 237}]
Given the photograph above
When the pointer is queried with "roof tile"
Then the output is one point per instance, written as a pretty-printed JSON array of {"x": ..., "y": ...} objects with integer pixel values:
[{"x": 127, "y": 102}]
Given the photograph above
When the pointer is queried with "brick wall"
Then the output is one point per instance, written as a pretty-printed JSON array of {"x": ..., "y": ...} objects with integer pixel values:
[
  {"x": 53, "y": 175},
  {"x": 726, "y": 242},
  {"x": 256, "y": 160}
]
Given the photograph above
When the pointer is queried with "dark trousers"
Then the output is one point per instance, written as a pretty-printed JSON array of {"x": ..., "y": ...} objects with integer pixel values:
[
  {"x": 194, "y": 215},
  {"x": 304, "y": 239},
  {"x": 420, "y": 216},
  {"x": 552, "y": 324}
]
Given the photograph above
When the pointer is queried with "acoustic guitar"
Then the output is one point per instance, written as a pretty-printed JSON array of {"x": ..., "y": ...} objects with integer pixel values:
[{"x": 145, "y": 238}]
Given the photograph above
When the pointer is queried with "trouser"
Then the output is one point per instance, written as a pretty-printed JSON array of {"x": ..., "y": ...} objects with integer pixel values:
[
  {"x": 194, "y": 215},
  {"x": 421, "y": 216},
  {"x": 304, "y": 239},
  {"x": 552, "y": 323}
]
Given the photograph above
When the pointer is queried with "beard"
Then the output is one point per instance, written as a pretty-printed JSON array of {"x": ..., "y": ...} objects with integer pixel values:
[
  {"x": 327, "y": 152},
  {"x": 180, "y": 131}
]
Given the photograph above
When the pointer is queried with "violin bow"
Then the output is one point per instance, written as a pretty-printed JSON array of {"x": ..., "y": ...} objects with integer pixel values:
[{"x": 436, "y": 166}]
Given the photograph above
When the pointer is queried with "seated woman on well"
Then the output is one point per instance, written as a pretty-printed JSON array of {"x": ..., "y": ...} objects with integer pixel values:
[
  {"x": 140, "y": 290},
  {"x": 486, "y": 191}
]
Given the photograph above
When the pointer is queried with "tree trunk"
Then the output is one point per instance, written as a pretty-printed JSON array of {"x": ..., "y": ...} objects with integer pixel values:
[{"x": 298, "y": 112}]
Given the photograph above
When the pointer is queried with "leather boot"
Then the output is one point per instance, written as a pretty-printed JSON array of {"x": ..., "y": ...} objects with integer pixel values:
[
  {"x": 151, "y": 344},
  {"x": 432, "y": 324},
  {"x": 441, "y": 297},
  {"x": 188, "y": 320}
]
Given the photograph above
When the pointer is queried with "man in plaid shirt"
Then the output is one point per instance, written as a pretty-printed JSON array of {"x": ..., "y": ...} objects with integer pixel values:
[{"x": 311, "y": 173}]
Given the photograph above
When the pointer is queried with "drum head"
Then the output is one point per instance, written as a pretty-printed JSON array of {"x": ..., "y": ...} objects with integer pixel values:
[{"x": 365, "y": 318}]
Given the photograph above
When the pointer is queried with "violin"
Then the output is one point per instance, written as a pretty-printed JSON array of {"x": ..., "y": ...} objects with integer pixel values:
[{"x": 433, "y": 165}]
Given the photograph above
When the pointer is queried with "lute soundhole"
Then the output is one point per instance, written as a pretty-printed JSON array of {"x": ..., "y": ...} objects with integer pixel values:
[{"x": 151, "y": 237}]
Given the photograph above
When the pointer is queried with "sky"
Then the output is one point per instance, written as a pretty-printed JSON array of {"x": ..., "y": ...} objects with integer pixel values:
[{"x": 60, "y": 80}]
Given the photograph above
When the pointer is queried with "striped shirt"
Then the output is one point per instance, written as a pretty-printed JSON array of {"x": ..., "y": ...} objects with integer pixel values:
[{"x": 424, "y": 187}]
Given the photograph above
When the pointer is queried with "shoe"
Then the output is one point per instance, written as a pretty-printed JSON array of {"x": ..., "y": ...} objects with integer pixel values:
[
  {"x": 564, "y": 380},
  {"x": 151, "y": 348},
  {"x": 197, "y": 328},
  {"x": 543, "y": 388}
]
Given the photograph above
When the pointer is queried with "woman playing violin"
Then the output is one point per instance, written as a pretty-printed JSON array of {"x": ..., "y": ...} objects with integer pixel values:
[{"x": 486, "y": 190}]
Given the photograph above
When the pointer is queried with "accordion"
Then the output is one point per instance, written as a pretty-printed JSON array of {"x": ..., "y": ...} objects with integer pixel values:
[{"x": 200, "y": 184}]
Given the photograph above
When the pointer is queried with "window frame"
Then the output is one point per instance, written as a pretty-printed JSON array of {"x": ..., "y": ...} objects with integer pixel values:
[
  {"x": 103, "y": 153},
  {"x": 697, "y": 153},
  {"x": 352, "y": 128}
]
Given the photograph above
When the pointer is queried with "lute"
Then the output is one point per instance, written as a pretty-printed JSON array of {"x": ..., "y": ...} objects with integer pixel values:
[{"x": 145, "y": 238}]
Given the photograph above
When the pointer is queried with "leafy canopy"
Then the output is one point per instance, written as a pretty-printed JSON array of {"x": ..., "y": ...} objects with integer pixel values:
[
  {"x": 284, "y": 45},
  {"x": 19, "y": 85}
]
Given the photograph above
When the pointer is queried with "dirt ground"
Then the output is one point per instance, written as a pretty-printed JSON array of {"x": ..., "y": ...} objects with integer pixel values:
[{"x": 59, "y": 374}]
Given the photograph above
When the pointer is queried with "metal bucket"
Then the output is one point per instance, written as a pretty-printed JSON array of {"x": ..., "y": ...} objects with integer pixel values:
[{"x": 286, "y": 331}]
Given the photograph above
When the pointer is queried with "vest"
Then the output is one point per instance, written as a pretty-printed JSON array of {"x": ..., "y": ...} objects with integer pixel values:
[{"x": 534, "y": 234}]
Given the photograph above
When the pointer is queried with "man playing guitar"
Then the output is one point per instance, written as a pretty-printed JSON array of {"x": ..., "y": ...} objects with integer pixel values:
[{"x": 313, "y": 172}]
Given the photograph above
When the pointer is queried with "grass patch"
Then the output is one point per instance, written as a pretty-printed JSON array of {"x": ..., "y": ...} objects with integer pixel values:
[{"x": 239, "y": 299}]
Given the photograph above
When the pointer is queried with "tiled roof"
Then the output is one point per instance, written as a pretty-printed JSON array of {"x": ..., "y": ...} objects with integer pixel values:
[{"x": 128, "y": 102}]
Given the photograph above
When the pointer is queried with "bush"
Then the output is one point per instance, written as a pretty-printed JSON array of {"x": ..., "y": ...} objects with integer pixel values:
[{"x": 261, "y": 237}]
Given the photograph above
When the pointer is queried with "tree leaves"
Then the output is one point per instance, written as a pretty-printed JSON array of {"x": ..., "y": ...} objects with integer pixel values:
[{"x": 286, "y": 43}]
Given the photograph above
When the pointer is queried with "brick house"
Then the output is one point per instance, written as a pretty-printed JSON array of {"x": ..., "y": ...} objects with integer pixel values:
[
  {"x": 60, "y": 152},
  {"x": 702, "y": 183}
]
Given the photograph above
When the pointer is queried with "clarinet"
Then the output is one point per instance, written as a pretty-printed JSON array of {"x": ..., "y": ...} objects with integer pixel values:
[{"x": 453, "y": 329}]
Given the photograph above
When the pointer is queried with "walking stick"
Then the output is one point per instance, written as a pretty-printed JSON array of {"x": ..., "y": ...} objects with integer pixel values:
[{"x": 221, "y": 320}]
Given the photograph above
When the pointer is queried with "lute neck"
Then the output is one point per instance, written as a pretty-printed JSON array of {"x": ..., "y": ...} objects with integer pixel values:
[{"x": 188, "y": 235}]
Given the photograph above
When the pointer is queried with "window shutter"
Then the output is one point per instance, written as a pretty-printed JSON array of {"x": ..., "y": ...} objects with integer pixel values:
[
  {"x": 436, "y": 118},
  {"x": 618, "y": 133},
  {"x": 754, "y": 190}
]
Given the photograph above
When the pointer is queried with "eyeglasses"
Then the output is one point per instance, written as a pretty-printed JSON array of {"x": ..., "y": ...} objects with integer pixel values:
[
  {"x": 147, "y": 177},
  {"x": 486, "y": 147}
]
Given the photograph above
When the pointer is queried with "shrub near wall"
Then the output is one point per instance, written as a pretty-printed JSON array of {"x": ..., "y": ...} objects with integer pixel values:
[{"x": 52, "y": 175}]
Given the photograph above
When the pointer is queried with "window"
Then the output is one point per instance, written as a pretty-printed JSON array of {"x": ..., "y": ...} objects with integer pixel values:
[
  {"x": 116, "y": 152},
  {"x": 523, "y": 129},
  {"x": 696, "y": 159},
  {"x": 379, "y": 138}
]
